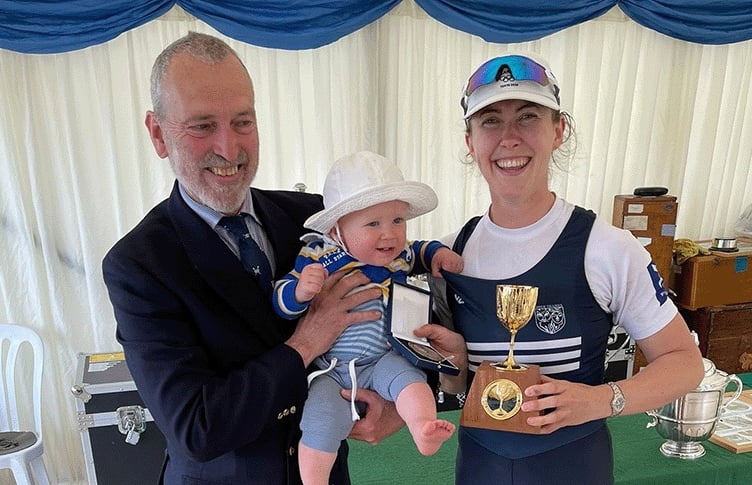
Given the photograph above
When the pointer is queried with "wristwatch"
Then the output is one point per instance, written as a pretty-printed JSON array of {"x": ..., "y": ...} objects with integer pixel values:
[{"x": 618, "y": 401}]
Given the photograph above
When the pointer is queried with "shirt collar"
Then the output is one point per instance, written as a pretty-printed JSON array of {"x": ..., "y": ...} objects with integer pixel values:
[{"x": 209, "y": 215}]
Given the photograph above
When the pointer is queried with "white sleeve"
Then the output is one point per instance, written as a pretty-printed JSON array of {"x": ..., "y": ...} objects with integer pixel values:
[
  {"x": 625, "y": 282},
  {"x": 448, "y": 240}
]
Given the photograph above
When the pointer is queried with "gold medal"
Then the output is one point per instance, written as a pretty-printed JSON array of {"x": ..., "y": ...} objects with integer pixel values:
[
  {"x": 501, "y": 399},
  {"x": 425, "y": 351}
]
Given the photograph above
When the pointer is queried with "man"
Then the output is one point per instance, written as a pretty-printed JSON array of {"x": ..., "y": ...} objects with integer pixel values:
[{"x": 223, "y": 376}]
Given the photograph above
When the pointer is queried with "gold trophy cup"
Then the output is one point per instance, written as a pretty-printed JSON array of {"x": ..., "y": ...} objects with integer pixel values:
[{"x": 495, "y": 397}]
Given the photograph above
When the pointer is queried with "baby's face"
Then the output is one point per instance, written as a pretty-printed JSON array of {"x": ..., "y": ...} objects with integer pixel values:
[{"x": 377, "y": 234}]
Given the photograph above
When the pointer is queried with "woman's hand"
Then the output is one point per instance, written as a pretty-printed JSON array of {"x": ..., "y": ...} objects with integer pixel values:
[
  {"x": 567, "y": 403},
  {"x": 451, "y": 345}
]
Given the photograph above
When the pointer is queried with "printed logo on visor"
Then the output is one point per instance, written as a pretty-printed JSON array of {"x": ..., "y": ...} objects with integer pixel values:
[{"x": 508, "y": 69}]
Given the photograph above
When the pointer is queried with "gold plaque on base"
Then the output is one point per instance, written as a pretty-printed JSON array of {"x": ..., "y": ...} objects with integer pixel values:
[{"x": 496, "y": 396}]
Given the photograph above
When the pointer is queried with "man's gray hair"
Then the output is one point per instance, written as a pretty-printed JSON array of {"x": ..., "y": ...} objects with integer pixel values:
[{"x": 207, "y": 48}]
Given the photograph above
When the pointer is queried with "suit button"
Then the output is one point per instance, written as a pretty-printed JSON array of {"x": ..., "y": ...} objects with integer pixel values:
[
  {"x": 280, "y": 416},
  {"x": 286, "y": 412},
  {"x": 291, "y": 451},
  {"x": 293, "y": 410}
]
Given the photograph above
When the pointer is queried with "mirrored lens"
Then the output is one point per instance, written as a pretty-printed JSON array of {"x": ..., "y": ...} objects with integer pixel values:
[{"x": 508, "y": 68}]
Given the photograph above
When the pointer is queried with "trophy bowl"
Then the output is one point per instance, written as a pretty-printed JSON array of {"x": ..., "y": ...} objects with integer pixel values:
[
  {"x": 515, "y": 305},
  {"x": 692, "y": 418}
]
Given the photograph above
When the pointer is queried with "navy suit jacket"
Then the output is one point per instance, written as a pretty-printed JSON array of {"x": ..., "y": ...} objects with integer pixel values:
[{"x": 205, "y": 347}]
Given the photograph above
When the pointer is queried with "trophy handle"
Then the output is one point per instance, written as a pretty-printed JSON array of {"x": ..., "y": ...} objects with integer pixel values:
[{"x": 739, "y": 388}]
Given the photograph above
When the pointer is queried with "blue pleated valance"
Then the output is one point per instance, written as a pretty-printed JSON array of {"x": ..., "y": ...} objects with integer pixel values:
[
  {"x": 50, "y": 26},
  {"x": 507, "y": 21}
]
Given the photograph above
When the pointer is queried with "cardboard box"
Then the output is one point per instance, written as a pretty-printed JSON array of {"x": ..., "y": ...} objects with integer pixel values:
[
  {"x": 721, "y": 278},
  {"x": 652, "y": 220},
  {"x": 121, "y": 444}
]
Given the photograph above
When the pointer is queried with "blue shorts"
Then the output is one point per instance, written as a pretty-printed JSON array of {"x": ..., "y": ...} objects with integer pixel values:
[
  {"x": 587, "y": 461},
  {"x": 326, "y": 417}
]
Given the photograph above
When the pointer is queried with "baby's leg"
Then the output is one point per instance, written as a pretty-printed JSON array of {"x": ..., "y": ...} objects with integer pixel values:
[
  {"x": 325, "y": 423},
  {"x": 315, "y": 465},
  {"x": 415, "y": 404}
]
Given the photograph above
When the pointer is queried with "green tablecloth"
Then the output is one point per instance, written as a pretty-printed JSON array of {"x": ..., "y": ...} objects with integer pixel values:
[{"x": 638, "y": 459}]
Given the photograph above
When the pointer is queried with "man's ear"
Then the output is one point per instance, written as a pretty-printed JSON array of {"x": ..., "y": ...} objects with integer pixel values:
[{"x": 155, "y": 133}]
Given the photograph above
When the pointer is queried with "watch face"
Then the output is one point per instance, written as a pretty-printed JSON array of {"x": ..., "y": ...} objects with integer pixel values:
[{"x": 618, "y": 401}]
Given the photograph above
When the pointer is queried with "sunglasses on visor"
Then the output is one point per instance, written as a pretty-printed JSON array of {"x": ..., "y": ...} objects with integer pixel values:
[{"x": 508, "y": 68}]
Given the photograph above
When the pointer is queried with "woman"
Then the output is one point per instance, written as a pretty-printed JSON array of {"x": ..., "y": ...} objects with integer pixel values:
[{"x": 590, "y": 276}]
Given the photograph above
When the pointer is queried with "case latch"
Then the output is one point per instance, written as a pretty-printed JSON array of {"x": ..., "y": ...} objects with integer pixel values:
[
  {"x": 80, "y": 393},
  {"x": 131, "y": 421}
]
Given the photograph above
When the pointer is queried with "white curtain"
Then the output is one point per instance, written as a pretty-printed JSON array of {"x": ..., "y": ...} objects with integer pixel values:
[{"x": 78, "y": 170}]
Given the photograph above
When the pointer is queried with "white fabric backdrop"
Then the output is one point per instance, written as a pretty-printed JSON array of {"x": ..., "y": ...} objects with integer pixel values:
[{"x": 78, "y": 170}]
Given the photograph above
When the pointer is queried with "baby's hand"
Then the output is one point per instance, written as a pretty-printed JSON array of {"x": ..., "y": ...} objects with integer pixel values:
[
  {"x": 448, "y": 260},
  {"x": 311, "y": 281}
]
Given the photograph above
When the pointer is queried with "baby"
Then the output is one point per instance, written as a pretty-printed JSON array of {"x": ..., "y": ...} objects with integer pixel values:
[{"x": 363, "y": 228}]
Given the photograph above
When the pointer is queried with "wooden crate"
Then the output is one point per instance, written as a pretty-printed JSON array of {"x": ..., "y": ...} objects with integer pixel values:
[
  {"x": 652, "y": 220},
  {"x": 725, "y": 334}
]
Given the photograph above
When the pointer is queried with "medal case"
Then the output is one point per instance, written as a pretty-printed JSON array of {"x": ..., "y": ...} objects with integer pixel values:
[{"x": 409, "y": 308}]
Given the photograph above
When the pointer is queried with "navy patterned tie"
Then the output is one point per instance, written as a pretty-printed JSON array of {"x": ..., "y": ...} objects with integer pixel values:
[{"x": 253, "y": 258}]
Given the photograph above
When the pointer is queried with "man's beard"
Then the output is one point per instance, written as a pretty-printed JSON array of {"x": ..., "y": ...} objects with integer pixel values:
[{"x": 223, "y": 199}]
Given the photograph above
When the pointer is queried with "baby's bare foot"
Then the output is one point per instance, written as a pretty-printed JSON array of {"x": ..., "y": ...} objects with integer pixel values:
[{"x": 432, "y": 435}]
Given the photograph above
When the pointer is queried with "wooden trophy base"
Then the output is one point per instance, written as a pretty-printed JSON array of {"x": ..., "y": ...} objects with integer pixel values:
[{"x": 495, "y": 398}]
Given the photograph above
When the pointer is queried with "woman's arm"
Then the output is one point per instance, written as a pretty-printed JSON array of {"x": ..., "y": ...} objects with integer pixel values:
[{"x": 674, "y": 368}]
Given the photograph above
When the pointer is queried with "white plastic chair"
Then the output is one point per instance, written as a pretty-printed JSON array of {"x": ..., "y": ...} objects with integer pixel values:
[{"x": 21, "y": 450}]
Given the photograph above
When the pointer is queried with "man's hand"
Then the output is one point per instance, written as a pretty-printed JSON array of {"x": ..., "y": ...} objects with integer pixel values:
[
  {"x": 330, "y": 313},
  {"x": 380, "y": 421}
]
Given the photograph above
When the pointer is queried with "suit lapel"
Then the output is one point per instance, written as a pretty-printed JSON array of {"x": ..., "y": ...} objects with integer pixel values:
[
  {"x": 282, "y": 232},
  {"x": 222, "y": 271}
]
